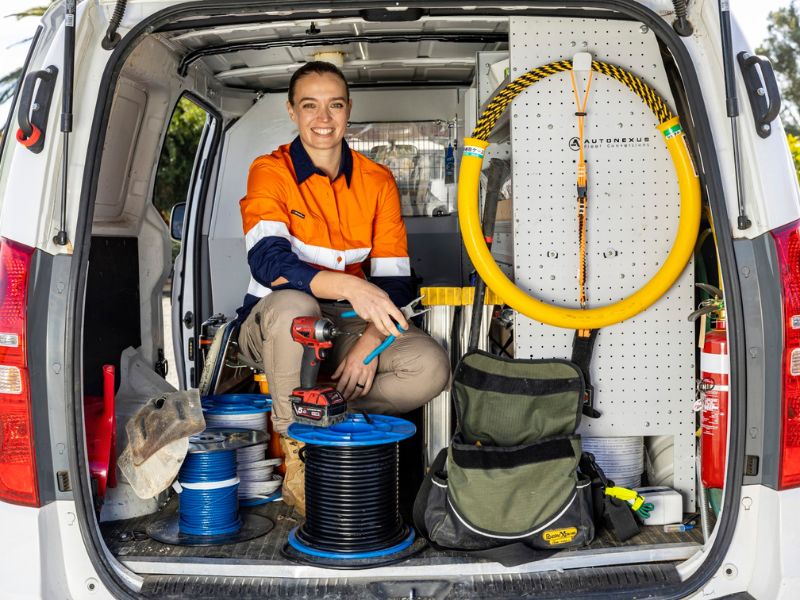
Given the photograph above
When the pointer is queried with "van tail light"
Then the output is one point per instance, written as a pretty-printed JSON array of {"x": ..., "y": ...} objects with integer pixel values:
[
  {"x": 787, "y": 242},
  {"x": 18, "y": 481}
]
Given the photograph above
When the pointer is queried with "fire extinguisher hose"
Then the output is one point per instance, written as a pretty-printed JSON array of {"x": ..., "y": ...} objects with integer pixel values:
[{"x": 469, "y": 218}]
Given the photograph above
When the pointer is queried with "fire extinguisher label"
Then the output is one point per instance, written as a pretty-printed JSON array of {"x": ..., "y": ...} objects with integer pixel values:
[
  {"x": 711, "y": 410},
  {"x": 715, "y": 363}
]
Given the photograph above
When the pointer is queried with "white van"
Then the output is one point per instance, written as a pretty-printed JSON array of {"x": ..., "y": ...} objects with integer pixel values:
[{"x": 85, "y": 256}]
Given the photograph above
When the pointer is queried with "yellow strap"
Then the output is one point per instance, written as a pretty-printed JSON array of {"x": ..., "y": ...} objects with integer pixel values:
[
  {"x": 582, "y": 181},
  {"x": 629, "y": 496}
]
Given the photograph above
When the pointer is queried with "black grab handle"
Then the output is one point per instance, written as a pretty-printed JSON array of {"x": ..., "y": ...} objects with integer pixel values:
[
  {"x": 762, "y": 90},
  {"x": 34, "y": 108}
]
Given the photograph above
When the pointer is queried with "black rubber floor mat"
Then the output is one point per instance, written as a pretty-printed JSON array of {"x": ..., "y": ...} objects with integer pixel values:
[
  {"x": 599, "y": 582},
  {"x": 127, "y": 539}
]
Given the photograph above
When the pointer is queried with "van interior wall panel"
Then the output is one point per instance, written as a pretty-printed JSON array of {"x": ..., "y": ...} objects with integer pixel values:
[
  {"x": 155, "y": 253},
  {"x": 261, "y": 130},
  {"x": 643, "y": 369},
  {"x": 112, "y": 307},
  {"x": 126, "y": 118}
]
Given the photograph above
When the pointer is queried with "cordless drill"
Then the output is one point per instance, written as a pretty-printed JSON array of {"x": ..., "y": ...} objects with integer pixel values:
[{"x": 319, "y": 405}]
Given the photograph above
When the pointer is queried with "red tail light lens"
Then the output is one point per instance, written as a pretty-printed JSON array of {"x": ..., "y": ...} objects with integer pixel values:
[
  {"x": 18, "y": 483},
  {"x": 787, "y": 242}
]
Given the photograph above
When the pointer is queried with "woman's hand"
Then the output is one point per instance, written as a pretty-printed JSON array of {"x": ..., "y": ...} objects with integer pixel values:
[
  {"x": 355, "y": 378},
  {"x": 372, "y": 304},
  {"x": 369, "y": 301}
]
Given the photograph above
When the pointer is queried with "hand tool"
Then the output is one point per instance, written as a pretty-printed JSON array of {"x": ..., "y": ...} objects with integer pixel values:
[
  {"x": 409, "y": 312},
  {"x": 318, "y": 405}
]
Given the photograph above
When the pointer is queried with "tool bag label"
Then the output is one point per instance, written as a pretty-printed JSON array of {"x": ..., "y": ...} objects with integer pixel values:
[{"x": 510, "y": 474}]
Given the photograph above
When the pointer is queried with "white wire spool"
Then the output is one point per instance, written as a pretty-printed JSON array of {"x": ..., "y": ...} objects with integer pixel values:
[
  {"x": 247, "y": 411},
  {"x": 257, "y": 421},
  {"x": 621, "y": 458}
]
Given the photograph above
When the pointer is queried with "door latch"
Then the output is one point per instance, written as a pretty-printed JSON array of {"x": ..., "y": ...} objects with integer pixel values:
[{"x": 762, "y": 90}]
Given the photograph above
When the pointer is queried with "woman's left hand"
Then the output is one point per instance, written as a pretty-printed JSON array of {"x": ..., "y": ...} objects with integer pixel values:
[{"x": 355, "y": 378}]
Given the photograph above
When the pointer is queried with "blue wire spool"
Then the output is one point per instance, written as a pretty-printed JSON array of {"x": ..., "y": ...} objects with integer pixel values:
[
  {"x": 209, "y": 503},
  {"x": 352, "y": 496},
  {"x": 208, "y": 507},
  {"x": 237, "y": 404},
  {"x": 356, "y": 430}
]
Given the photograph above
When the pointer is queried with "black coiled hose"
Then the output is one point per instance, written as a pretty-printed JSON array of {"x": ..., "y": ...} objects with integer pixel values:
[
  {"x": 112, "y": 38},
  {"x": 352, "y": 502}
]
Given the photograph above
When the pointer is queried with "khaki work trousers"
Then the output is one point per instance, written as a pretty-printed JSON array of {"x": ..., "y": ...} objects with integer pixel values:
[{"x": 411, "y": 371}]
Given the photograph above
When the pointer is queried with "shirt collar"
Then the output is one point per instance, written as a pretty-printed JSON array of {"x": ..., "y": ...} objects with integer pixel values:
[{"x": 304, "y": 168}]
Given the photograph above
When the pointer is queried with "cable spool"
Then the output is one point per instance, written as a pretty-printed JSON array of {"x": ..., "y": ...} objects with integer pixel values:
[
  {"x": 208, "y": 511},
  {"x": 242, "y": 411},
  {"x": 352, "y": 495},
  {"x": 258, "y": 484},
  {"x": 208, "y": 500}
]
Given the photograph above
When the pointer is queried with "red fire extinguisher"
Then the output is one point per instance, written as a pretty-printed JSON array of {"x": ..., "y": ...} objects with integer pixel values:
[{"x": 715, "y": 369}]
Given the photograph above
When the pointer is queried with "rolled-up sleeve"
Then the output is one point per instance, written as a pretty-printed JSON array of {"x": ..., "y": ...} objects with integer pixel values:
[{"x": 265, "y": 219}]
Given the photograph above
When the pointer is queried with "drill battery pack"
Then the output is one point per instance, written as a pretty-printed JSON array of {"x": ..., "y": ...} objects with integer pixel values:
[{"x": 320, "y": 406}]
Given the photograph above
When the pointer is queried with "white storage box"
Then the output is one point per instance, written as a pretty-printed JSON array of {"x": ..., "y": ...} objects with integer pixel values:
[{"x": 667, "y": 505}]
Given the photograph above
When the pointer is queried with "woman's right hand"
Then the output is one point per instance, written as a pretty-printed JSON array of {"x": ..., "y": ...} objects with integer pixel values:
[
  {"x": 372, "y": 304},
  {"x": 369, "y": 301}
]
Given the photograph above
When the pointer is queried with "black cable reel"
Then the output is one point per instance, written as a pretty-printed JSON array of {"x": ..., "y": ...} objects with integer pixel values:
[{"x": 352, "y": 495}]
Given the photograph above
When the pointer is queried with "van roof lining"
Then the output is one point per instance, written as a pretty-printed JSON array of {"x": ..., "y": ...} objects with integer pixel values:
[{"x": 263, "y": 56}]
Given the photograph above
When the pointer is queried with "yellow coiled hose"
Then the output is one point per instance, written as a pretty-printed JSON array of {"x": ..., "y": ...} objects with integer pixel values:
[{"x": 470, "y": 222}]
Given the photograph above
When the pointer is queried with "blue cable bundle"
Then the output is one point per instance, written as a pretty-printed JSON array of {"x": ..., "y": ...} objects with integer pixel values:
[{"x": 209, "y": 504}]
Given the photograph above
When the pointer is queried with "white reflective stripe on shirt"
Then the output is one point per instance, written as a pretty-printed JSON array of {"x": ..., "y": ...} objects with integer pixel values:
[
  {"x": 265, "y": 229},
  {"x": 316, "y": 255},
  {"x": 390, "y": 267},
  {"x": 257, "y": 290},
  {"x": 356, "y": 255}
]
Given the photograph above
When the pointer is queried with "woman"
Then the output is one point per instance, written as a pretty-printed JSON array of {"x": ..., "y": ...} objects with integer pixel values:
[{"x": 315, "y": 214}]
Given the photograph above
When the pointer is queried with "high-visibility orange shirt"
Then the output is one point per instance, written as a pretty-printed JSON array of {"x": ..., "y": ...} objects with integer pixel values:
[{"x": 297, "y": 222}]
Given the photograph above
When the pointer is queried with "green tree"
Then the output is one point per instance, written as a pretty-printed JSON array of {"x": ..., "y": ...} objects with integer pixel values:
[
  {"x": 177, "y": 156},
  {"x": 782, "y": 47},
  {"x": 794, "y": 148},
  {"x": 8, "y": 82}
]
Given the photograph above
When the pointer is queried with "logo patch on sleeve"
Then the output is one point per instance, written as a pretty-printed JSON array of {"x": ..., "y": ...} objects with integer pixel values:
[{"x": 297, "y": 213}]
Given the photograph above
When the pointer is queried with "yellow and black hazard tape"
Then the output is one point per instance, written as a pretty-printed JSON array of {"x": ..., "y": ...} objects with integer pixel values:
[{"x": 514, "y": 88}]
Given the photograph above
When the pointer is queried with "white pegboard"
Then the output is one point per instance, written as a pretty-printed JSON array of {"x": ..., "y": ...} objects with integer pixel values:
[{"x": 642, "y": 369}]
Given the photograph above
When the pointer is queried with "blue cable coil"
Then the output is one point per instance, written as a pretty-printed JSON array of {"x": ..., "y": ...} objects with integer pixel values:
[{"x": 212, "y": 511}]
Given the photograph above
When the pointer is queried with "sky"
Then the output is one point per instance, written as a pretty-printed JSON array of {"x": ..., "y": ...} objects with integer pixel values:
[{"x": 751, "y": 14}]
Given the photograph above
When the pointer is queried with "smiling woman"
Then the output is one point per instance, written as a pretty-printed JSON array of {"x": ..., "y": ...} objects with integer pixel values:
[{"x": 314, "y": 214}]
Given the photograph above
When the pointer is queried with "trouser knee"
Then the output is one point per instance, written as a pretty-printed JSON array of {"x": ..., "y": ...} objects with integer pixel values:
[{"x": 275, "y": 315}]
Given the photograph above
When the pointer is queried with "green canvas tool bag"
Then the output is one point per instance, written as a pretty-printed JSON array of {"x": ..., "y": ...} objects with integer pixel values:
[{"x": 510, "y": 475}]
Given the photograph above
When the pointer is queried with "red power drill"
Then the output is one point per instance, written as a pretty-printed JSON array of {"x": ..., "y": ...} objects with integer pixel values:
[{"x": 320, "y": 405}]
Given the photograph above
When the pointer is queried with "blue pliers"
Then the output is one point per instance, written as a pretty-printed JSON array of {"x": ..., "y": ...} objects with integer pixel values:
[{"x": 409, "y": 312}]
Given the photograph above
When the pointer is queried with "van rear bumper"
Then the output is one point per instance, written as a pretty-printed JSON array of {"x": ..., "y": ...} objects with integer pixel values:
[
  {"x": 764, "y": 553},
  {"x": 43, "y": 555}
]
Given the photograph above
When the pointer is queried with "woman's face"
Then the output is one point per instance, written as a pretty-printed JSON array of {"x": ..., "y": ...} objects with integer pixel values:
[{"x": 320, "y": 110}]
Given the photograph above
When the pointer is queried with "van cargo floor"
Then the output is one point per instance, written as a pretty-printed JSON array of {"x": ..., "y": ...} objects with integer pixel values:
[{"x": 262, "y": 556}]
